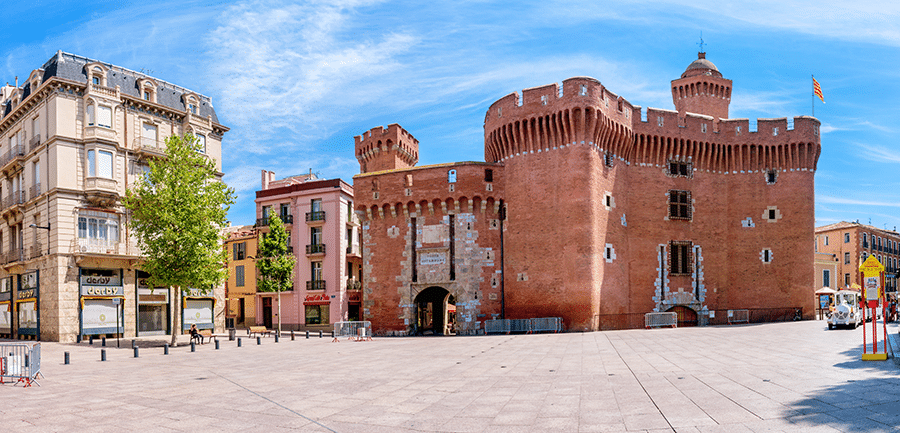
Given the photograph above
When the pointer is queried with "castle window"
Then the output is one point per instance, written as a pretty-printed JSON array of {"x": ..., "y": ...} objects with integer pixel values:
[
  {"x": 771, "y": 176},
  {"x": 774, "y": 131},
  {"x": 488, "y": 175},
  {"x": 737, "y": 130},
  {"x": 610, "y": 253},
  {"x": 544, "y": 99},
  {"x": 451, "y": 176},
  {"x": 766, "y": 255},
  {"x": 659, "y": 121},
  {"x": 499, "y": 111},
  {"x": 679, "y": 205},
  {"x": 608, "y": 159},
  {"x": 703, "y": 128},
  {"x": 772, "y": 213},
  {"x": 680, "y": 168},
  {"x": 583, "y": 90},
  {"x": 681, "y": 260}
]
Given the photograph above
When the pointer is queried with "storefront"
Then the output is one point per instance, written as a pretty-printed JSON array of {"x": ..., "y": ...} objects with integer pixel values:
[
  {"x": 197, "y": 309},
  {"x": 152, "y": 307},
  {"x": 316, "y": 309},
  {"x": 6, "y": 307},
  {"x": 102, "y": 301},
  {"x": 27, "y": 306}
]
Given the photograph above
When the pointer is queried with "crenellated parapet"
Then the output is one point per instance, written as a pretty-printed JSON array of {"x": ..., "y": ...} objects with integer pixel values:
[
  {"x": 725, "y": 145},
  {"x": 580, "y": 112},
  {"x": 386, "y": 149}
]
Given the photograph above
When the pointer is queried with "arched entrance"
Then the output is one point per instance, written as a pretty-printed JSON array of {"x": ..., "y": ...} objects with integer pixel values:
[
  {"x": 435, "y": 312},
  {"x": 686, "y": 316}
]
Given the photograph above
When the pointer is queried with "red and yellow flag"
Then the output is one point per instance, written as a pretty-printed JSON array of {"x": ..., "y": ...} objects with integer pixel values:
[{"x": 817, "y": 90}]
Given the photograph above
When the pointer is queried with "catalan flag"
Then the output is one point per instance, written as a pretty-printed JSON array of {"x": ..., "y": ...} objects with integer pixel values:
[{"x": 817, "y": 90}]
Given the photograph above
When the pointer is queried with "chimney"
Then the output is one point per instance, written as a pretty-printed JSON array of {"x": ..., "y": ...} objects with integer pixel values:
[{"x": 265, "y": 180}]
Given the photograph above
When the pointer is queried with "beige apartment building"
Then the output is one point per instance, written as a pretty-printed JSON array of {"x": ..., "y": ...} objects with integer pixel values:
[
  {"x": 73, "y": 137},
  {"x": 240, "y": 289},
  {"x": 850, "y": 243}
]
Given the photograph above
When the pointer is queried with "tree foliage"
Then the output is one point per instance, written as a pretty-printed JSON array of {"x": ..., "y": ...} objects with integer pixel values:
[
  {"x": 177, "y": 211},
  {"x": 275, "y": 264}
]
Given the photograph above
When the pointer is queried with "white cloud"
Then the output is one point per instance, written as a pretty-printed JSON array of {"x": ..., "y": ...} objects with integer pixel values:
[
  {"x": 849, "y": 201},
  {"x": 874, "y": 152}
]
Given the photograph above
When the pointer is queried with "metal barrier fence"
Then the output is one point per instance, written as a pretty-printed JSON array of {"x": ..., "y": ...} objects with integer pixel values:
[
  {"x": 20, "y": 361},
  {"x": 360, "y": 330},
  {"x": 652, "y": 320},
  {"x": 506, "y": 326},
  {"x": 738, "y": 316}
]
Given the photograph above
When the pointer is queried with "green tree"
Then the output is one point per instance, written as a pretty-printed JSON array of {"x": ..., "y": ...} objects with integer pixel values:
[
  {"x": 274, "y": 262},
  {"x": 177, "y": 211}
]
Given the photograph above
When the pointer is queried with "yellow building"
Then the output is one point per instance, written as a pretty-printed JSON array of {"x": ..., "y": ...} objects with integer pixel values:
[
  {"x": 240, "y": 290},
  {"x": 73, "y": 137}
]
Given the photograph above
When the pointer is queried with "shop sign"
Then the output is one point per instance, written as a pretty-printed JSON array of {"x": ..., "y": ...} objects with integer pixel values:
[
  {"x": 102, "y": 291},
  {"x": 101, "y": 280},
  {"x": 319, "y": 297},
  {"x": 197, "y": 293},
  {"x": 27, "y": 294},
  {"x": 142, "y": 284},
  {"x": 353, "y": 296},
  {"x": 30, "y": 280}
]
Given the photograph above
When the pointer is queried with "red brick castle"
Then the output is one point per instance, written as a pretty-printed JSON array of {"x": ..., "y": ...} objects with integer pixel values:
[{"x": 611, "y": 211}]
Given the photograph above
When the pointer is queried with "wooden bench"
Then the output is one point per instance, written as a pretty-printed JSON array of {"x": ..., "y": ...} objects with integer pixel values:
[{"x": 258, "y": 330}]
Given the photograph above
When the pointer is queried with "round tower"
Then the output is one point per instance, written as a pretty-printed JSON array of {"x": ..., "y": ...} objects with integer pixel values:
[
  {"x": 561, "y": 149},
  {"x": 702, "y": 90},
  {"x": 386, "y": 149}
]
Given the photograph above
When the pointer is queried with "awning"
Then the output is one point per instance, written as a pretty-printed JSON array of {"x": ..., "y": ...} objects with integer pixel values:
[{"x": 826, "y": 291}]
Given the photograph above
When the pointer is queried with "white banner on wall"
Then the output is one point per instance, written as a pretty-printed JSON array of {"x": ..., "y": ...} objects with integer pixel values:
[
  {"x": 99, "y": 316},
  {"x": 198, "y": 311}
]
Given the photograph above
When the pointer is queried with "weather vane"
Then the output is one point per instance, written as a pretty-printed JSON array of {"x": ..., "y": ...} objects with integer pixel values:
[{"x": 701, "y": 41}]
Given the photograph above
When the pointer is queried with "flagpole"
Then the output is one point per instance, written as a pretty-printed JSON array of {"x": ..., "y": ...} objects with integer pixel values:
[{"x": 813, "y": 96}]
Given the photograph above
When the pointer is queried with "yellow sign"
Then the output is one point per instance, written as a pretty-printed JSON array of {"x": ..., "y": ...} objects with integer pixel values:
[{"x": 871, "y": 270}]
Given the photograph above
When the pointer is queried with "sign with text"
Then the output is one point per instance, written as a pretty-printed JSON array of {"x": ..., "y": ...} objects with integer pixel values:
[
  {"x": 871, "y": 270},
  {"x": 112, "y": 279},
  {"x": 432, "y": 258}
]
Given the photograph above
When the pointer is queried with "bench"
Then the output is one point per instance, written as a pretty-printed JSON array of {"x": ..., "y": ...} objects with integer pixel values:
[
  {"x": 258, "y": 330},
  {"x": 206, "y": 334}
]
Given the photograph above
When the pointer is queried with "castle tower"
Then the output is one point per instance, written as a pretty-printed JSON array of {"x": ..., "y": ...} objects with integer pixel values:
[
  {"x": 702, "y": 90},
  {"x": 386, "y": 149}
]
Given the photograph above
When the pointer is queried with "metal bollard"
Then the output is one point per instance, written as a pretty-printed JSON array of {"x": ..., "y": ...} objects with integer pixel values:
[
  {"x": 320, "y": 333},
  {"x": 193, "y": 347},
  {"x": 102, "y": 354},
  {"x": 78, "y": 338},
  {"x": 103, "y": 341},
  {"x": 166, "y": 349},
  {"x": 133, "y": 343},
  {"x": 258, "y": 341},
  {"x": 276, "y": 338},
  {"x": 66, "y": 358},
  {"x": 239, "y": 341},
  {"x": 332, "y": 334},
  {"x": 136, "y": 352},
  {"x": 307, "y": 334},
  {"x": 292, "y": 335},
  {"x": 91, "y": 341},
  {"x": 217, "y": 344}
]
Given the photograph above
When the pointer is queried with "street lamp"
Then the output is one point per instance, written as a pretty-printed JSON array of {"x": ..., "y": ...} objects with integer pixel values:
[{"x": 48, "y": 233}]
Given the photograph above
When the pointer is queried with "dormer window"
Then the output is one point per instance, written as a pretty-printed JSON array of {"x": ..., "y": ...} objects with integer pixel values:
[
  {"x": 192, "y": 108},
  {"x": 97, "y": 75},
  {"x": 191, "y": 103}
]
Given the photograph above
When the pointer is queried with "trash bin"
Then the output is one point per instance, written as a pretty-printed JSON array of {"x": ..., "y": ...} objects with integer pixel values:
[{"x": 230, "y": 334}]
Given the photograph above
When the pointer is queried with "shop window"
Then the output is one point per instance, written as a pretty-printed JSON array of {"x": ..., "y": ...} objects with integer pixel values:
[
  {"x": 100, "y": 163},
  {"x": 681, "y": 259},
  {"x": 317, "y": 314},
  {"x": 679, "y": 205},
  {"x": 239, "y": 276}
]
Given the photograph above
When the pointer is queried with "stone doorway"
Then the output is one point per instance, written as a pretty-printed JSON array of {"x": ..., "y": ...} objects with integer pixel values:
[
  {"x": 435, "y": 312},
  {"x": 686, "y": 316}
]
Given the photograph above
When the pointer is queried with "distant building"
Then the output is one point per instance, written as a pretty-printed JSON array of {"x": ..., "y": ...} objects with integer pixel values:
[
  {"x": 323, "y": 234},
  {"x": 611, "y": 211},
  {"x": 73, "y": 137},
  {"x": 240, "y": 289},
  {"x": 851, "y": 243}
]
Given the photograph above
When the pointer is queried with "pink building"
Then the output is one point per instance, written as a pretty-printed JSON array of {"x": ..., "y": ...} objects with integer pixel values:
[{"x": 323, "y": 234}]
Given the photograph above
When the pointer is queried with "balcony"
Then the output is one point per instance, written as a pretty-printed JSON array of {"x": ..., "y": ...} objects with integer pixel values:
[
  {"x": 16, "y": 255},
  {"x": 148, "y": 147},
  {"x": 12, "y": 159},
  {"x": 16, "y": 198},
  {"x": 34, "y": 143},
  {"x": 315, "y": 249},
  {"x": 100, "y": 246},
  {"x": 285, "y": 219},
  {"x": 315, "y": 285},
  {"x": 34, "y": 191},
  {"x": 312, "y": 217},
  {"x": 354, "y": 284},
  {"x": 100, "y": 132},
  {"x": 353, "y": 250},
  {"x": 101, "y": 191}
]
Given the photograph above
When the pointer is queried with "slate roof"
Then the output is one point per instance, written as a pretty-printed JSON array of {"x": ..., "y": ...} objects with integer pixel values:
[{"x": 71, "y": 67}]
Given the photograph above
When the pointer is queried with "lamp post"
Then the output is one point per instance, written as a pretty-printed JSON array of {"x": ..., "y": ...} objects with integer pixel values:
[{"x": 47, "y": 227}]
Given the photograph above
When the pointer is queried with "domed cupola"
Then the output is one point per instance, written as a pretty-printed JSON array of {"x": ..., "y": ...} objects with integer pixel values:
[{"x": 702, "y": 89}]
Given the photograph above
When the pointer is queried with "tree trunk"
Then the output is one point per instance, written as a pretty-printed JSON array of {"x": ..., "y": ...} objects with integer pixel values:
[{"x": 176, "y": 313}]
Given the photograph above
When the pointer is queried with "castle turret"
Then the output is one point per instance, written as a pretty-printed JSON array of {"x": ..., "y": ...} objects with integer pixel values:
[
  {"x": 702, "y": 90},
  {"x": 386, "y": 149}
]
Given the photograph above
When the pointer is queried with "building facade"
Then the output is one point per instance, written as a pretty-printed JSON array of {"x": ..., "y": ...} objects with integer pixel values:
[
  {"x": 73, "y": 138},
  {"x": 594, "y": 210},
  {"x": 323, "y": 234},
  {"x": 240, "y": 289},
  {"x": 851, "y": 243}
]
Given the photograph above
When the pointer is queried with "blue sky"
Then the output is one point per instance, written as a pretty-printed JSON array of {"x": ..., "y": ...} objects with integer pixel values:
[{"x": 296, "y": 81}]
